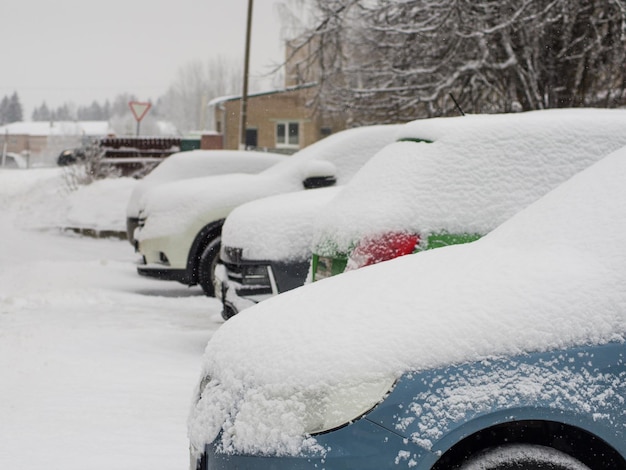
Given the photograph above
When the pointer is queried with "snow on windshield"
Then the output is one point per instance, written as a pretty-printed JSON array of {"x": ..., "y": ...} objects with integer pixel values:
[
  {"x": 559, "y": 262},
  {"x": 423, "y": 187}
]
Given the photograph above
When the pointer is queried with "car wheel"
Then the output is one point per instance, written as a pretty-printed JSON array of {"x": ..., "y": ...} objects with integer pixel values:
[
  {"x": 523, "y": 457},
  {"x": 206, "y": 267}
]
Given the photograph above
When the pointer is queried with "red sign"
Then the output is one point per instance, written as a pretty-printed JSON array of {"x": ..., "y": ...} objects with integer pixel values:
[{"x": 139, "y": 109}]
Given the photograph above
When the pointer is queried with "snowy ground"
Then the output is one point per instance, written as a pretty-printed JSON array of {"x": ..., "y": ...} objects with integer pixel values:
[{"x": 97, "y": 364}]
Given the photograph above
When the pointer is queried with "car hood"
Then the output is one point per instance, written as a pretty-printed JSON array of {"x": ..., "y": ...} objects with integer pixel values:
[
  {"x": 550, "y": 278},
  {"x": 170, "y": 207},
  {"x": 278, "y": 227}
]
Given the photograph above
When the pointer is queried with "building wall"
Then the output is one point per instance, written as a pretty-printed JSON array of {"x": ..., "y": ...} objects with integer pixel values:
[
  {"x": 40, "y": 150},
  {"x": 265, "y": 111}
]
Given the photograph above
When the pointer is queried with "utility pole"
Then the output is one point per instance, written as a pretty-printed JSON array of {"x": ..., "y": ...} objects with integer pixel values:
[{"x": 244, "y": 94}]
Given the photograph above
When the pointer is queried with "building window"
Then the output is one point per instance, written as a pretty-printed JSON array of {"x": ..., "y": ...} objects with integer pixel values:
[{"x": 287, "y": 134}]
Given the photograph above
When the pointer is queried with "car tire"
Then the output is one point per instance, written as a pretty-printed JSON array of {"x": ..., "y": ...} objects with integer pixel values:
[
  {"x": 523, "y": 457},
  {"x": 206, "y": 266}
]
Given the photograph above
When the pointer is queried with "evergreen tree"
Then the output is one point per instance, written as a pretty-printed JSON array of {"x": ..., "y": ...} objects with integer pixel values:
[
  {"x": 42, "y": 113},
  {"x": 93, "y": 112},
  {"x": 14, "y": 111},
  {"x": 4, "y": 106},
  {"x": 64, "y": 113}
]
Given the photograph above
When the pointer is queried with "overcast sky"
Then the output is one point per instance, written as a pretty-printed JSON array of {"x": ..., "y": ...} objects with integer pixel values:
[{"x": 82, "y": 50}]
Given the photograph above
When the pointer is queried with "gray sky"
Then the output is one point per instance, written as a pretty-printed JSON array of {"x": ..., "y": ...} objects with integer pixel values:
[{"x": 80, "y": 50}]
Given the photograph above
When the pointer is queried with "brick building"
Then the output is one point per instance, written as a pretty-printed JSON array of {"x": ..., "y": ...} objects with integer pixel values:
[{"x": 278, "y": 120}]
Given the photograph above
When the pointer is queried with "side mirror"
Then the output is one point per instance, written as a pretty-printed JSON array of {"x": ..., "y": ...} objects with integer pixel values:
[
  {"x": 318, "y": 174},
  {"x": 315, "y": 182}
]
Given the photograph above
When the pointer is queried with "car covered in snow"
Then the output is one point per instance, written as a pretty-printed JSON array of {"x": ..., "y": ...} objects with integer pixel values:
[
  {"x": 180, "y": 225},
  {"x": 266, "y": 244},
  {"x": 266, "y": 247},
  {"x": 195, "y": 164},
  {"x": 452, "y": 180},
  {"x": 504, "y": 353}
]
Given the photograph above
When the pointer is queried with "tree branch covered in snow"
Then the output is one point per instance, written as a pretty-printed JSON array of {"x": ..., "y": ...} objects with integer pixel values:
[{"x": 396, "y": 60}]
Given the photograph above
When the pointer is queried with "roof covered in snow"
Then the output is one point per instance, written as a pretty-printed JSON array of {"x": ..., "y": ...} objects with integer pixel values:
[{"x": 56, "y": 128}]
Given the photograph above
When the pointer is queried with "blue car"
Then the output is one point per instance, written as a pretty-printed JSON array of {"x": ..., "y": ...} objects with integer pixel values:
[
  {"x": 565, "y": 406},
  {"x": 504, "y": 353}
]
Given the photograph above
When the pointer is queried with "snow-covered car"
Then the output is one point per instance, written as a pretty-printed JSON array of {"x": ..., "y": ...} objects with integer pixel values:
[
  {"x": 452, "y": 180},
  {"x": 195, "y": 164},
  {"x": 266, "y": 247},
  {"x": 504, "y": 353},
  {"x": 180, "y": 224}
]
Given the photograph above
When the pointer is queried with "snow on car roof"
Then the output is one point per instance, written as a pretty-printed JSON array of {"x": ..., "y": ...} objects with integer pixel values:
[
  {"x": 190, "y": 163},
  {"x": 198, "y": 163},
  {"x": 549, "y": 278},
  {"x": 344, "y": 149},
  {"x": 430, "y": 187}
]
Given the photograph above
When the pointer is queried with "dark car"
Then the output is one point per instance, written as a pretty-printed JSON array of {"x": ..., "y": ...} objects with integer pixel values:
[{"x": 70, "y": 156}]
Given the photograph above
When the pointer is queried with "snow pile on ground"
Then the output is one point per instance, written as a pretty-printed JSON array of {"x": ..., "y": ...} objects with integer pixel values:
[
  {"x": 108, "y": 213},
  {"x": 49, "y": 198},
  {"x": 552, "y": 277},
  {"x": 97, "y": 363},
  {"x": 429, "y": 188}
]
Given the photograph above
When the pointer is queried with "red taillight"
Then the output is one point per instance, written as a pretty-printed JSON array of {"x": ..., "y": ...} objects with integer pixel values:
[{"x": 382, "y": 248}]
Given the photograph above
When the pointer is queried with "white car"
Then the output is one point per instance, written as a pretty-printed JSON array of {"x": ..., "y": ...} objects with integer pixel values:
[
  {"x": 180, "y": 223},
  {"x": 504, "y": 353},
  {"x": 195, "y": 164}
]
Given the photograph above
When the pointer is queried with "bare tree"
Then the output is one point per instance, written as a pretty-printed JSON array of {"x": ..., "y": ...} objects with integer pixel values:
[
  {"x": 185, "y": 102},
  {"x": 396, "y": 60}
]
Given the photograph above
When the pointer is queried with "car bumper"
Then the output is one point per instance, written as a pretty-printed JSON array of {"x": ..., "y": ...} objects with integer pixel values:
[
  {"x": 236, "y": 296},
  {"x": 227, "y": 292},
  {"x": 164, "y": 273},
  {"x": 362, "y": 444}
]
